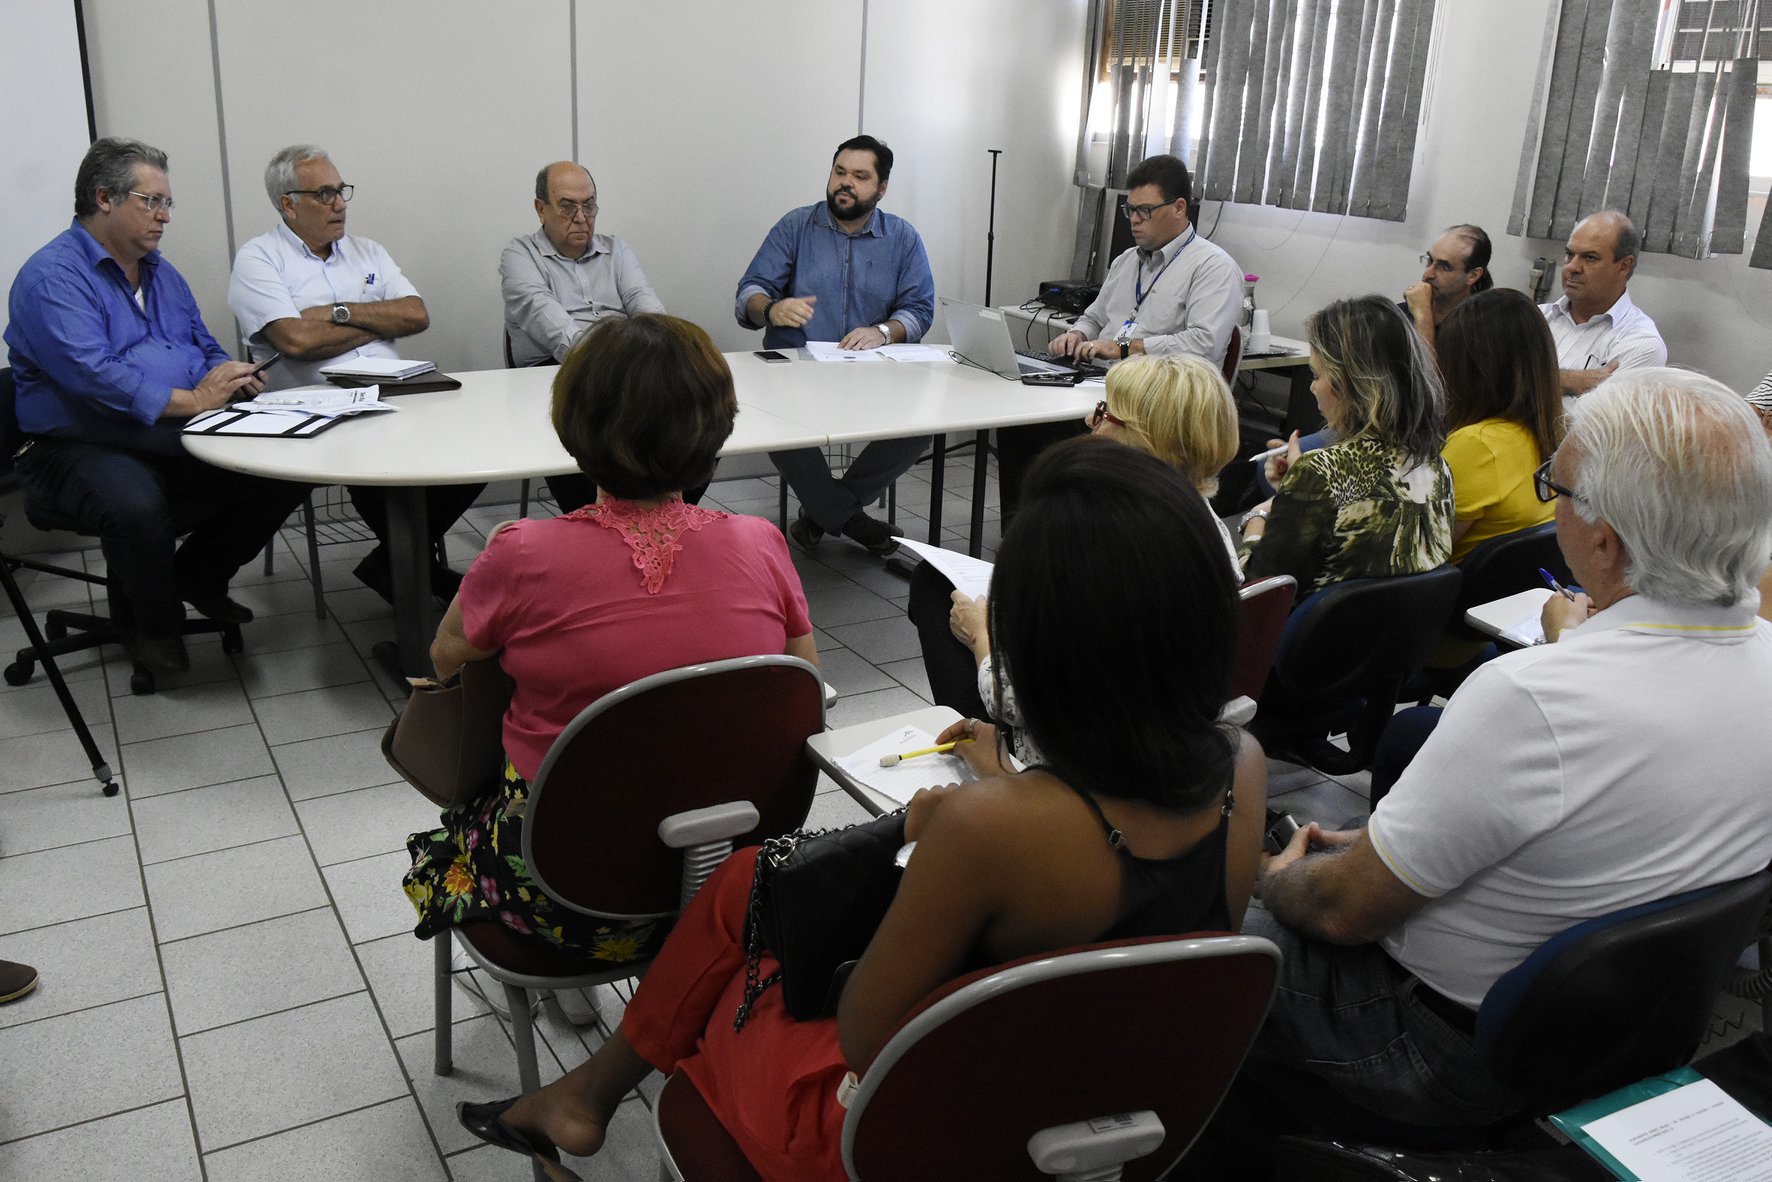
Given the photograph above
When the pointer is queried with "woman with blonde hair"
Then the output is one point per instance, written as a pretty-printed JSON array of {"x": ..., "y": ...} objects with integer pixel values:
[
  {"x": 1378, "y": 501},
  {"x": 1177, "y": 409}
]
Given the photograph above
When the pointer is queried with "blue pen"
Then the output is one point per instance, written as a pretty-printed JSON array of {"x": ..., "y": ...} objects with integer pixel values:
[{"x": 1551, "y": 581}]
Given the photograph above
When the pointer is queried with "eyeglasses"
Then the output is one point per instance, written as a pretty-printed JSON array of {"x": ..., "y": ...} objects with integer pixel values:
[
  {"x": 1141, "y": 213},
  {"x": 155, "y": 201},
  {"x": 1549, "y": 490},
  {"x": 571, "y": 210},
  {"x": 325, "y": 196},
  {"x": 1101, "y": 413},
  {"x": 1443, "y": 266}
]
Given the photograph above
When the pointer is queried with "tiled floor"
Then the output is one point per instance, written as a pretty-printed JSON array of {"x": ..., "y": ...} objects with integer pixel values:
[{"x": 230, "y": 989}]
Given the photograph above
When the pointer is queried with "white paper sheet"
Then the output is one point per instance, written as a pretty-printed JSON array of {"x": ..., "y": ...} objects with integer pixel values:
[
  {"x": 911, "y": 352},
  {"x": 902, "y": 781},
  {"x": 828, "y": 351},
  {"x": 1696, "y": 1133},
  {"x": 966, "y": 573},
  {"x": 390, "y": 368},
  {"x": 328, "y": 401}
]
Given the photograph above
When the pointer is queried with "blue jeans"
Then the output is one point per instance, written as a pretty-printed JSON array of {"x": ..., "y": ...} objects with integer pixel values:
[
  {"x": 1351, "y": 1021},
  {"x": 139, "y": 503}
]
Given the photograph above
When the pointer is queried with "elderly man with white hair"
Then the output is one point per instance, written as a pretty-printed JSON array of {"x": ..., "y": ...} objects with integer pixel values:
[
  {"x": 313, "y": 293},
  {"x": 1623, "y": 764}
]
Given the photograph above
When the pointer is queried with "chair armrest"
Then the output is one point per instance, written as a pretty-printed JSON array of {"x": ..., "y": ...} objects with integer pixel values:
[
  {"x": 1084, "y": 1147},
  {"x": 719, "y": 822}
]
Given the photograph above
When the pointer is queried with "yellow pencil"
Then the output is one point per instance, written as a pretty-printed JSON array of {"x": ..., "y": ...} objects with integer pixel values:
[{"x": 938, "y": 749}]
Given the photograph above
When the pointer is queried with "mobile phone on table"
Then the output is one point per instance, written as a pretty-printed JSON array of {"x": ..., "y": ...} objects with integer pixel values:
[
  {"x": 259, "y": 369},
  {"x": 772, "y": 355}
]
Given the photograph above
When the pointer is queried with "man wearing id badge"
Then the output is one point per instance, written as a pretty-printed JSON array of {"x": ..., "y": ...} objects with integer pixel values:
[{"x": 1173, "y": 294}]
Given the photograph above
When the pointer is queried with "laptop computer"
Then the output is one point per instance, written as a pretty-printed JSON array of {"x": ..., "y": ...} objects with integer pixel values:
[{"x": 982, "y": 336}]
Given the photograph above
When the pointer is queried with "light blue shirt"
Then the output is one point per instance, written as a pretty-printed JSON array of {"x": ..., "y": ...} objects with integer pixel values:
[{"x": 879, "y": 273}]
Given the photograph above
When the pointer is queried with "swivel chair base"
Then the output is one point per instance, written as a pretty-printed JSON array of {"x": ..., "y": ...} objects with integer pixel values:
[{"x": 72, "y": 632}]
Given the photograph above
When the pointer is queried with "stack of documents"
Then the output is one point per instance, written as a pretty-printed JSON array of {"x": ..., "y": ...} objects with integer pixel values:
[
  {"x": 376, "y": 369},
  {"x": 297, "y": 413}
]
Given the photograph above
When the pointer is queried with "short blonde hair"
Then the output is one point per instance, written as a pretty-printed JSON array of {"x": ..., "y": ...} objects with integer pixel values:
[{"x": 1179, "y": 410}]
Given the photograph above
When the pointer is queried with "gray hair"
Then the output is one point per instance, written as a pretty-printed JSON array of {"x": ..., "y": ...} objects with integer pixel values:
[
  {"x": 109, "y": 166},
  {"x": 541, "y": 180},
  {"x": 280, "y": 172},
  {"x": 1677, "y": 464}
]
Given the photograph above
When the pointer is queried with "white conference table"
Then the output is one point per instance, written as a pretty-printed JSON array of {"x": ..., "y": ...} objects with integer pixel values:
[{"x": 497, "y": 427}]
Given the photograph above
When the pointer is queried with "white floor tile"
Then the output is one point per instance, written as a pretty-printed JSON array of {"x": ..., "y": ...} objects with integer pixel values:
[
  {"x": 152, "y": 1144},
  {"x": 81, "y": 1066},
  {"x": 838, "y": 605},
  {"x": 339, "y": 710},
  {"x": 218, "y": 817},
  {"x": 34, "y": 708},
  {"x": 180, "y": 710},
  {"x": 258, "y": 969},
  {"x": 368, "y": 896},
  {"x": 400, "y": 971},
  {"x": 55, "y": 886},
  {"x": 84, "y": 963},
  {"x": 354, "y": 825},
  {"x": 55, "y": 757},
  {"x": 296, "y": 630},
  {"x": 866, "y": 707},
  {"x": 335, "y": 763},
  {"x": 209, "y": 666},
  {"x": 244, "y": 884},
  {"x": 266, "y": 675},
  {"x": 848, "y": 673},
  {"x": 881, "y": 641},
  {"x": 220, "y": 756},
  {"x": 387, "y": 1142},
  {"x": 289, "y": 1069},
  {"x": 912, "y": 675},
  {"x": 65, "y": 814},
  {"x": 485, "y": 1069}
]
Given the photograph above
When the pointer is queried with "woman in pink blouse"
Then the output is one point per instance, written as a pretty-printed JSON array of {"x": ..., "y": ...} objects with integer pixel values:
[{"x": 579, "y": 605}]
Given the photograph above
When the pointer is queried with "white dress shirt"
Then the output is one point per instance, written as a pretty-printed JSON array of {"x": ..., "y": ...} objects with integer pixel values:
[
  {"x": 1622, "y": 333},
  {"x": 1193, "y": 292}
]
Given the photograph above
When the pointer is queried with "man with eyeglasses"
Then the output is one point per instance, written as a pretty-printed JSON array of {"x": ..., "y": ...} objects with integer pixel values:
[
  {"x": 1173, "y": 294},
  {"x": 110, "y": 356},
  {"x": 310, "y": 291},
  {"x": 842, "y": 270},
  {"x": 1455, "y": 268},
  {"x": 1621, "y": 765},
  {"x": 563, "y": 278},
  {"x": 1599, "y": 330}
]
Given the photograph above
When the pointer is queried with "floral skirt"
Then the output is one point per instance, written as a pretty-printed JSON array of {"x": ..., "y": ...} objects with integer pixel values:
[{"x": 471, "y": 868}]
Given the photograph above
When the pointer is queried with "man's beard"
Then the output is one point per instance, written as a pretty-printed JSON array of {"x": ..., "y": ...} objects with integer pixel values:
[{"x": 859, "y": 211}]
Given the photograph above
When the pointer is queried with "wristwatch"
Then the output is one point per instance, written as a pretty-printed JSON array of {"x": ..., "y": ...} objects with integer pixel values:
[
  {"x": 885, "y": 330},
  {"x": 341, "y": 314},
  {"x": 1125, "y": 350}
]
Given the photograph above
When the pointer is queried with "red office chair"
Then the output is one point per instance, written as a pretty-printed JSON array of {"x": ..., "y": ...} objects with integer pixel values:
[
  {"x": 1233, "y": 356},
  {"x": 629, "y": 830},
  {"x": 1265, "y": 605},
  {"x": 1145, "y": 1034}
]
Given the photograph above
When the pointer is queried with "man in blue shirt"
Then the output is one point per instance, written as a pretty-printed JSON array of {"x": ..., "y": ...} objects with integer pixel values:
[
  {"x": 111, "y": 356},
  {"x": 843, "y": 271}
]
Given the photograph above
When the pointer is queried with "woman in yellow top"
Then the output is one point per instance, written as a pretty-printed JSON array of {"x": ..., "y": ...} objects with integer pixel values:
[{"x": 1499, "y": 365}]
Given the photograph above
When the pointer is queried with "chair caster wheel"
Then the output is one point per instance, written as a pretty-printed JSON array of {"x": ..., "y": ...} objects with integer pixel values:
[
  {"x": 19, "y": 672},
  {"x": 111, "y": 788},
  {"x": 141, "y": 681},
  {"x": 232, "y": 642}
]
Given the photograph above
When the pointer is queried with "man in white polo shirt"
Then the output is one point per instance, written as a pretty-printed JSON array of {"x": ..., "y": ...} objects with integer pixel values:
[
  {"x": 313, "y": 293},
  {"x": 1598, "y": 329},
  {"x": 1624, "y": 764}
]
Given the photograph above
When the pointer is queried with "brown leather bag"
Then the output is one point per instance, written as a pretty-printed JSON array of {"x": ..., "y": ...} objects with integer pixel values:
[{"x": 448, "y": 742}]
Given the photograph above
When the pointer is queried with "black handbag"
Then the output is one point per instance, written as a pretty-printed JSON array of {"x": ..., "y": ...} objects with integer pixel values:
[{"x": 816, "y": 900}]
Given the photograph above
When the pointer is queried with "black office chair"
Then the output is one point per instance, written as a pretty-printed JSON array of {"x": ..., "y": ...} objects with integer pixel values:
[
  {"x": 67, "y": 631},
  {"x": 1606, "y": 1003},
  {"x": 1499, "y": 567},
  {"x": 1346, "y": 654}
]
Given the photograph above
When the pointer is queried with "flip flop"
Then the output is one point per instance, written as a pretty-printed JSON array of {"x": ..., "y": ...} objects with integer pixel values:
[{"x": 486, "y": 1121}]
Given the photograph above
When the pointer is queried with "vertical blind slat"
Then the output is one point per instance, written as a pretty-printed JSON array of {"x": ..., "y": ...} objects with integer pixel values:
[
  {"x": 1535, "y": 124},
  {"x": 1566, "y": 210},
  {"x": 1559, "y": 107},
  {"x": 1730, "y": 232}
]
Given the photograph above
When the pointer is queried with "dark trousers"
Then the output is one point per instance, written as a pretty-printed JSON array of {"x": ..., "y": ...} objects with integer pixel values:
[
  {"x": 1403, "y": 736},
  {"x": 1017, "y": 448},
  {"x": 444, "y": 504},
  {"x": 953, "y": 674},
  {"x": 831, "y": 501},
  {"x": 138, "y": 504}
]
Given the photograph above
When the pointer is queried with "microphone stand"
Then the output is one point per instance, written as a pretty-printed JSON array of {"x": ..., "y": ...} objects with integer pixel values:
[{"x": 990, "y": 239}]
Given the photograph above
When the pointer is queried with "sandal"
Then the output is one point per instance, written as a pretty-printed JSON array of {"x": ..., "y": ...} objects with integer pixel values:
[{"x": 486, "y": 1121}]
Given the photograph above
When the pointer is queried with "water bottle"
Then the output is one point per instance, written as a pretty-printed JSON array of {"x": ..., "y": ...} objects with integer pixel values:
[{"x": 1246, "y": 317}]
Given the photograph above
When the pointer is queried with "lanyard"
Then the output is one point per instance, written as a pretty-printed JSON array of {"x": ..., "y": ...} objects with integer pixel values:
[{"x": 1138, "y": 288}]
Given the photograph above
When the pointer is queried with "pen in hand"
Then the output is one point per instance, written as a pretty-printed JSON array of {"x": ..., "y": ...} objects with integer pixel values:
[{"x": 1551, "y": 582}]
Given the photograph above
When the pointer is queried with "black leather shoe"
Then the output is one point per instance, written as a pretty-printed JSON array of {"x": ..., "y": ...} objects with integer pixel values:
[
  {"x": 444, "y": 582},
  {"x": 218, "y": 606},
  {"x": 164, "y": 656},
  {"x": 486, "y": 1121},
  {"x": 880, "y": 538},
  {"x": 16, "y": 980},
  {"x": 373, "y": 572}
]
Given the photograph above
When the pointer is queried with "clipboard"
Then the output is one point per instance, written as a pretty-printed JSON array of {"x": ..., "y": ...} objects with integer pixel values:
[{"x": 251, "y": 425}]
